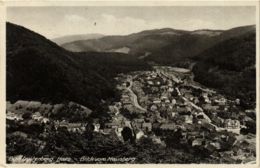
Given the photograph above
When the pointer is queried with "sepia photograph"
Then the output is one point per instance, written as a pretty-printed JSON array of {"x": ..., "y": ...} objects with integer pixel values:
[{"x": 138, "y": 84}]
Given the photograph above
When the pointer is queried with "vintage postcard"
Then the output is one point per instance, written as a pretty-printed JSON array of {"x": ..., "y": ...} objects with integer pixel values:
[{"x": 133, "y": 83}]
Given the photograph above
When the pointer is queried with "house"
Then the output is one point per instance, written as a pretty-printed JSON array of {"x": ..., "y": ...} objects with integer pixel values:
[
  {"x": 197, "y": 142},
  {"x": 60, "y": 124},
  {"x": 215, "y": 155},
  {"x": 8, "y": 105},
  {"x": 19, "y": 133},
  {"x": 126, "y": 101},
  {"x": 73, "y": 127},
  {"x": 173, "y": 114},
  {"x": 210, "y": 148},
  {"x": 156, "y": 101},
  {"x": 45, "y": 108},
  {"x": 20, "y": 104},
  {"x": 184, "y": 91},
  {"x": 173, "y": 101},
  {"x": 228, "y": 159},
  {"x": 208, "y": 126},
  {"x": 222, "y": 101},
  {"x": 153, "y": 75},
  {"x": 56, "y": 108},
  {"x": 188, "y": 119},
  {"x": 118, "y": 104},
  {"x": 33, "y": 105},
  {"x": 170, "y": 89},
  {"x": 188, "y": 96},
  {"x": 118, "y": 131},
  {"x": 250, "y": 111},
  {"x": 210, "y": 107},
  {"x": 147, "y": 126},
  {"x": 106, "y": 130},
  {"x": 156, "y": 125},
  {"x": 127, "y": 123},
  {"x": 237, "y": 150},
  {"x": 178, "y": 91},
  {"x": 153, "y": 107},
  {"x": 204, "y": 94},
  {"x": 139, "y": 134},
  {"x": 148, "y": 77},
  {"x": 217, "y": 145},
  {"x": 196, "y": 100},
  {"x": 200, "y": 116},
  {"x": 156, "y": 140},
  {"x": 139, "y": 120},
  {"x": 164, "y": 97},
  {"x": 45, "y": 120},
  {"x": 169, "y": 126},
  {"x": 237, "y": 101},
  {"x": 137, "y": 124},
  {"x": 182, "y": 110},
  {"x": 150, "y": 82},
  {"x": 170, "y": 84},
  {"x": 12, "y": 116},
  {"x": 97, "y": 127},
  {"x": 170, "y": 108},
  {"x": 111, "y": 125},
  {"x": 217, "y": 121},
  {"x": 231, "y": 124},
  {"x": 124, "y": 85},
  {"x": 129, "y": 107},
  {"x": 124, "y": 96},
  {"x": 36, "y": 116},
  {"x": 112, "y": 109},
  {"x": 248, "y": 119}
]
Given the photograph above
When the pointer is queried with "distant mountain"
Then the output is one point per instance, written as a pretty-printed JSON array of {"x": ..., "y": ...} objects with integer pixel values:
[
  {"x": 38, "y": 69},
  {"x": 137, "y": 42},
  {"x": 165, "y": 46},
  {"x": 71, "y": 38},
  {"x": 230, "y": 66},
  {"x": 207, "y": 32}
]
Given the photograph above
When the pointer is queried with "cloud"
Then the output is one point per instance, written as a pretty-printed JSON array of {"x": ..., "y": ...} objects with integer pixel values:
[
  {"x": 109, "y": 24},
  {"x": 122, "y": 25},
  {"x": 104, "y": 23},
  {"x": 115, "y": 25},
  {"x": 74, "y": 18},
  {"x": 122, "y": 20},
  {"x": 194, "y": 24}
]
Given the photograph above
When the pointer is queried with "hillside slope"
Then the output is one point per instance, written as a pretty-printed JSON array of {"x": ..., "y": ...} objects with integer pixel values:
[
  {"x": 71, "y": 38},
  {"x": 38, "y": 69},
  {"x": 230, "y": 67},
  {"x": 166, "y": 46}
]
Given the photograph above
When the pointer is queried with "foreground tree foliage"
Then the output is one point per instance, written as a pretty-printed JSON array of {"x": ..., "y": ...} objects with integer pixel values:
[{"x": 61, "y": 143}]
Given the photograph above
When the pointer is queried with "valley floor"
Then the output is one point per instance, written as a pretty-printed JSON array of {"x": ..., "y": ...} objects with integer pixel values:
[{"x": 163, "y": 106}]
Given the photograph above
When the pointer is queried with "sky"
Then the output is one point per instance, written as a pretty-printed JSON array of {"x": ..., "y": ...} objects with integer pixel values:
[{"x": 53, "y": 22}]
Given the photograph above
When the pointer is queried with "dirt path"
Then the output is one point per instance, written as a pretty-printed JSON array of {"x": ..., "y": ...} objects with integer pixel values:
[{"x": 133, "y": 95}]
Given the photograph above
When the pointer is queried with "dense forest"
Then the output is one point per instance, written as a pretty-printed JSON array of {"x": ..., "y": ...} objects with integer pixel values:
[
  {"x": 230, "y": 67},
  {"x": 38, "y": 69}
]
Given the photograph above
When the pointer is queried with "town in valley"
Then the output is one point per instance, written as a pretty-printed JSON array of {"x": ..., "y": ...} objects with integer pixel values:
[{"x": 158, "y": 104}]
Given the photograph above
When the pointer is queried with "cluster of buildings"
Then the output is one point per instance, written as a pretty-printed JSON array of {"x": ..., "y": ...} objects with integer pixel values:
[
  {"x": 34, "y": 112},
  {"x": 203, "y": 120},
  {"x": 173, "y": 105}
]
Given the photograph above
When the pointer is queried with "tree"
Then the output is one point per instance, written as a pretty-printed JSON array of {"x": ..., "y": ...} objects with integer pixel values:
[
  {"x": 127, "y": 134},
  {"x": 27, "y": 115},
  {"x": 89, "y": 131},
  {"x": 173, "y": 140}
]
